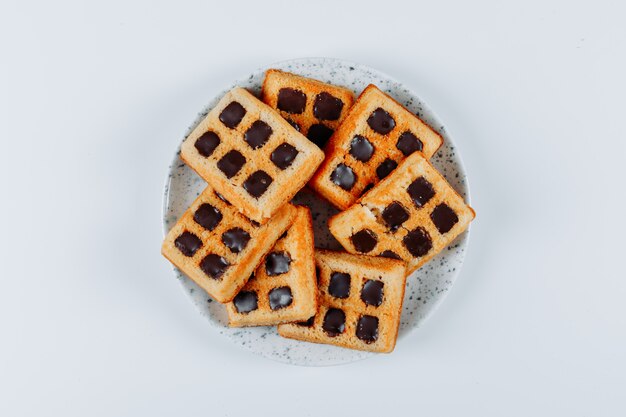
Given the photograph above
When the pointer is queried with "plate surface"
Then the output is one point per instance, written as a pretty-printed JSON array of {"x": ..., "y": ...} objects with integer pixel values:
[{"x": 426, "y": 288}]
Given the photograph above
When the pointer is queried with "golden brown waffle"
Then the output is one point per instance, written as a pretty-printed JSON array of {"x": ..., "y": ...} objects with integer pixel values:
[
  {"x": 219, "y": 248},
  {"x": 360, "y": 302},
  {"x": 377, "y": 134},
  {"x": 411, "y": 215},
  {"x": 283, "y": 288},
  {"x": 250, "y": 155},
  {"x": 312, "y": 107}
]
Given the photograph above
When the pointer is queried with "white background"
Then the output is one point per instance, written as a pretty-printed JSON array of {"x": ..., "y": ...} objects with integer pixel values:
[{"x": 95, "y": 98}]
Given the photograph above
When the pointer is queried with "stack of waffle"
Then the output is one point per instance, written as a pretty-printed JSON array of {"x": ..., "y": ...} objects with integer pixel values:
[{"x": 251, "y": 249}]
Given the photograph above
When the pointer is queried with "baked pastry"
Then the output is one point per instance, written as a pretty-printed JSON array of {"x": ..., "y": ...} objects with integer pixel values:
[
  {"x": 375, "y": 136},
  {"x": 217, "y": 247},
  {"x": 360, "y": 302},
  {"x": 411, "y": 215},
  {"x": 250, "y": 155},
  {"x": 283, "y": 288},
  {"x": 312, "y": 107}
]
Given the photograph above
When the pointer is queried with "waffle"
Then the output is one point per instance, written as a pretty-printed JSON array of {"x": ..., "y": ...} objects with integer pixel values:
[
  {"x": 377, "y": 134},
  {"x": 360, "y": 301},
  {"x": 250, "y": 155},
  {"x": 312, "y": 107},
  {"x": 283, "y": 288},
  {"x": 411, "y": 215},
  {"x": 219, "y": 248}
]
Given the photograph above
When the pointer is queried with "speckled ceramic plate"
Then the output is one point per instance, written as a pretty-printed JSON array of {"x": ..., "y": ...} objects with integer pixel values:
[{"x": 426, "y": 288}]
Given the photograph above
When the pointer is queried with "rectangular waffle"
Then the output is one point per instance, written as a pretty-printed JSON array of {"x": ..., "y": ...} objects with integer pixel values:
[
  {"x": 249, "y": 154},
  {"x": 412, "y": 215},
  {"x": 360, "y": 302},
  {"x": 375, "y": 136},
  {"x": 312, "y": 107},
  {"x": 219, "y": 248},
  {"x": 283, "y": 288}
]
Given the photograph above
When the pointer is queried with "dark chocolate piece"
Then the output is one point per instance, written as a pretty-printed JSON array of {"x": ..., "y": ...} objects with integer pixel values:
[
  {"x": 421, "y": 191},
  {"x": 361, "y": 148},
  {"x": 390, "y": 254},
  {"x": 207, "y": 143},
  {"x": 258, "y": 134},
  {"x": 257, "y": 183},
  {"x": 280, "y": 298},
  {"x": 284, "y": 155},
  {"x": 292, "y": 101},
  {"x": 334, "y": 322},
  {"x": 343, "y": 176},
  {"x": 364, "y": 241},
  {"x": 372, "y": 292},
  {"x": 319, "y": 134},
  {"x": 232, "y": 114},
  {"x": 381, "y": 122},
  {"x": 236, "y": 239},
  {"x": 307, "y": 323},
  {"x": 444, "y": 218},
  {"x": 327, "y": 107},
  {"x": 231, "y": 163},
  {"x": 207, "y": 216},
  {"x": 277, "y": 263},
  {"x": 394, "y": 215},
  {"x": 339, "y": 285},
  {"x": 409, "y": 143},
  {"x": 188, "y": 243},
  {"x": 246, "y": 301},
  {"x": 385, "y": 168},
  {"x": 367, "y": 329},
  {"x": 418, "y": 242},
  {"x": 214, "y": 266}
]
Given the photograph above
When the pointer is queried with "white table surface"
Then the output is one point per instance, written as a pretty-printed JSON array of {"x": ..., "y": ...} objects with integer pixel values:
[{"x": 94, "y": 99}]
